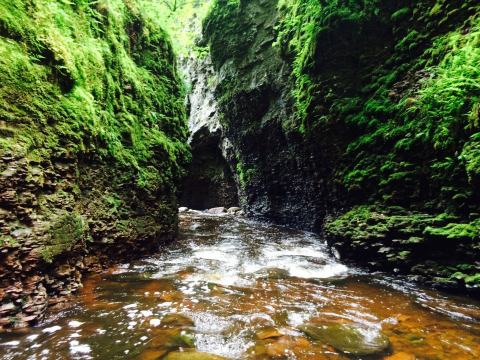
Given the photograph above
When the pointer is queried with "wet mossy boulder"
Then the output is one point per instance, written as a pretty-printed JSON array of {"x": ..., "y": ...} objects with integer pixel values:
[
  {"x": 275, "y": 273},
  {"x": 172, "y": 339},
  {"x": 348, "y": 339},
  {"x": 440, "y": 250}
]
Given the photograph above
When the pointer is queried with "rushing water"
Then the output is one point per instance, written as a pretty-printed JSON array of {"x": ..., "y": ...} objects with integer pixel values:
[{"x": 242, "y": 290}]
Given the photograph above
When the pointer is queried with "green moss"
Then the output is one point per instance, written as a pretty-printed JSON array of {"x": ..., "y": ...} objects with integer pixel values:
[
  {"x": 412, "y": 98},
  {"x": 468, "y": 231},
  {"x": 114, "y": 202},
  {"x": 226, "y": 24},
  {"x": 401, "y": 14},
  {"x": 303, "y": 24},
  {"x": 64, "y": 233},
  {"x": 91, "y": 78},
  {"x": 244, "y": 173},
  {"x": 7, "y": 240},
  {"x": 440, "y": 247},
  {"x": 183, "y": 23}
]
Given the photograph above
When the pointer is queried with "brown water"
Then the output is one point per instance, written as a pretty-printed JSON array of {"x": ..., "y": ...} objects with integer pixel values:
[{"x": 241, "y": 289}]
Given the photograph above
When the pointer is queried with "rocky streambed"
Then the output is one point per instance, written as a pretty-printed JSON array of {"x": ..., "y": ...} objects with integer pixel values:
[{"x": 230, "y": 288}]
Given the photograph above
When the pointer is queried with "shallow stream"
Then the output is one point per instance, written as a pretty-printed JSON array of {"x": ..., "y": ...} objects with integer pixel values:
[{"x": 244, "y": 290}]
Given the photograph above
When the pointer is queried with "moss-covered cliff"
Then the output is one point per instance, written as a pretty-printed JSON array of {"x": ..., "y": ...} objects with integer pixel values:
[
  {"x": 364, "y": 108},
  {"x": 93, "y": 141}
]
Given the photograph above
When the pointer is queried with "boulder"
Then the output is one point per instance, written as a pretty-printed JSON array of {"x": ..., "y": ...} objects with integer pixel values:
[
  {"x": 348, "y": 339},
  {"x": 217, "y": 210},
  {"x": 275, "y": 273},
  {"x": 268, "y": 333},
  {"x": 233, "y": 210}
]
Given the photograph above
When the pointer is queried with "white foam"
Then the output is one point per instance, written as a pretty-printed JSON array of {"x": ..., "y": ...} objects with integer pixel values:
[
  {"x": 146, "y": 313},
  {"x": 154, "y": 322},
  {"x": 211, "y": 254},
  {"x": 11, "y": 343},
  {"x": 299, "y": 251},
  {"x": 323, "y": 272},
  {"x": 52, "y": 329},
  {"x": 77, "y": 348},
  {"x": 296, "y": 319},
  {"x": 32, "y": 337},
  {"x": 130, "y": 306},
  {"x": 75, "y": 324},
  {"x": 233, "y": 347}
]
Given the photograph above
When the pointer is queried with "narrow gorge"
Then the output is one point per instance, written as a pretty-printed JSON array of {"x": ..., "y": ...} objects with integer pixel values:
[{"x": 239, "y": 179}]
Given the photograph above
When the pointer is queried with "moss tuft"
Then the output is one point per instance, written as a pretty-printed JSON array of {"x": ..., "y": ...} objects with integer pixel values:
[{"x": 64, "y": 234}]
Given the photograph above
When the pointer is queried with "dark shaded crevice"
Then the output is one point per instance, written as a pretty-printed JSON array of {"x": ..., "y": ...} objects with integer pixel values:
[{"x": 210, "y": 182}]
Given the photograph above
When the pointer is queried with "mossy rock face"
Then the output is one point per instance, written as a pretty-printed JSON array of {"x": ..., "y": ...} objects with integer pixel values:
[
  {"x": 348, "y": 338},
  {"x": 65, "y": 232},
  {"x": 98, "y": 82},
  {"x": 331, "y": 106},
  {"x": 93, "y": 139},
  {"x": 437, "y": 249}
]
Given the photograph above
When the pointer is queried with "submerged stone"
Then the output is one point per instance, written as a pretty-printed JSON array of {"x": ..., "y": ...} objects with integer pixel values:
[
  {"x": 177, "y": 320},
  {"x": 171, "y": 339},
  {"x": 268, "y": 333},
  {"x": 279, "y": 347},
  {"x": 276, "y": 273},
  {"x": 129, "y": 276},
  {"x": 401, "y": 356},
  {"x": 192, "y": 355},
  {"x": 152, "y": 354},
  {"x": 348, "y": 338}
]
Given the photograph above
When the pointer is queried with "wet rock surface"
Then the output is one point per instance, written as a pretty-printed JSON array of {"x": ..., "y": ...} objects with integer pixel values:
[
  {"x": 55, "y": 228},
  {"x": 177, "y": 320},
  {"x": 211, "y": 180},
  {"x": 348, "y": 339},
  {"x": 318, "y": 121}
]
